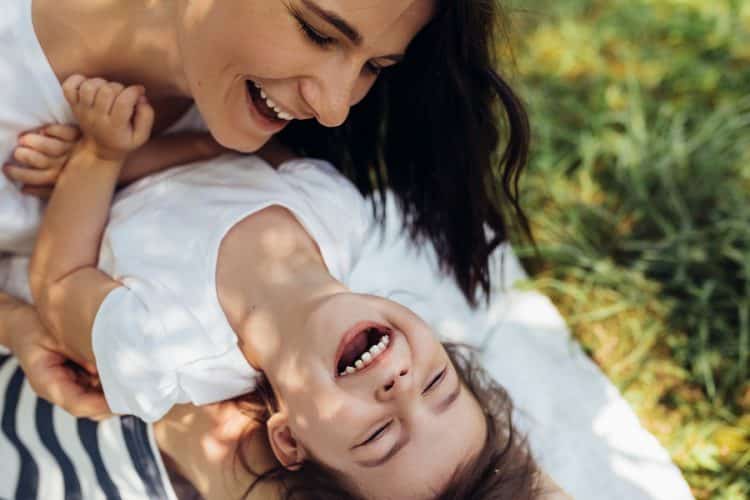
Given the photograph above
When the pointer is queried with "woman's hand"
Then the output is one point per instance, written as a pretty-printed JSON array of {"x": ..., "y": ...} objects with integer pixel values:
[
  {"x": 50, "y": 373},
  {"x": 40, "y": 157}
]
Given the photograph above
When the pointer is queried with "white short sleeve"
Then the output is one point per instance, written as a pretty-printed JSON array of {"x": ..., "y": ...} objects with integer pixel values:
[
  {"x": 135, "y": 377},
  {"x": 152, "y": 353}
]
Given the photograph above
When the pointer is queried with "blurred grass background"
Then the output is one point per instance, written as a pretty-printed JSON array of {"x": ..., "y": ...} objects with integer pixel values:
[{"x": 639, "y": 197}]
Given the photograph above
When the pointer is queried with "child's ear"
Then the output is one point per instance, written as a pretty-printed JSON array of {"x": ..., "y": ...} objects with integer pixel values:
[{"x": 289, "y": 452}]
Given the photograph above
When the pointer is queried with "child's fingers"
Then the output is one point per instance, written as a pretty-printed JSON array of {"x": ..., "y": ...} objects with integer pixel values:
[
  {"x": 116, "y": 87},
  {"x": 104, "y": 99},
  {"x": 124, "y": 106},
  {"x": 88, "y": 90},
  {"x": 70, "y": 88},
  {"x": 48, "y": 146},
  {"x": 68, "y": 133},
  {"x": 30, "y": 176},
  {"x": 143, "y": 121}
]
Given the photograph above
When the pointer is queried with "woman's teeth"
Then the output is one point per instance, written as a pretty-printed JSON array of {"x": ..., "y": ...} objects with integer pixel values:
[
  {"x": 279, "y": 112},
  {"x": 368, "y": 356}
]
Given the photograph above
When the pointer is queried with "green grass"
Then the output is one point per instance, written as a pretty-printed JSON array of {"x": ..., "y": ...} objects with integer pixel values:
[{"x": 639, "y": 196}]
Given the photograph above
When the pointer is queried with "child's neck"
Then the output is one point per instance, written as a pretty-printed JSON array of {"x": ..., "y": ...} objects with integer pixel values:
[
  {"x": 269, "y": 275},
  {"x": 128, "y": 41},
  {"x": 203, "y": 443}
]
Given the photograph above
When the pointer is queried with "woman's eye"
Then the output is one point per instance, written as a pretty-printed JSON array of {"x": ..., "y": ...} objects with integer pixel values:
[
  {"x": 312, "y": 34},
  {"x": 373, "y": 68},
  {"x": 377, "y": 433},
  {"x": 434, "y": 381}
]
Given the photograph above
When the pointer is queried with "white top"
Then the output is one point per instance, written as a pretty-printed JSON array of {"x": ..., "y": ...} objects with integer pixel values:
[
  {"x": 163, "y": 338},
  {"x": 30, "y": 96},
  {"x": 581, "y": 429}
]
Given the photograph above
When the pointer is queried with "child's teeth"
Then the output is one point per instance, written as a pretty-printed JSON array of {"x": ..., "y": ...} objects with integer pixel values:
[{"x": 368, "y": 356}]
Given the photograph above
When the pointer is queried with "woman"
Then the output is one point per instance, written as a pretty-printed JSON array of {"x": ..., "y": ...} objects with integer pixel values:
[{"x": 425, "y": 128}]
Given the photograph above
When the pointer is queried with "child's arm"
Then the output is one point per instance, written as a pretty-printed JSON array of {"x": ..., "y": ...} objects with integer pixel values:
[{"x": 65, "y": 282}]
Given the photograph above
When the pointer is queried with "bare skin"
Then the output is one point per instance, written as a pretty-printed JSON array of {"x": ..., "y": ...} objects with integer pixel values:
[
  {"x": 202, "y": 443},
  {"x": 206, "y": 50}
]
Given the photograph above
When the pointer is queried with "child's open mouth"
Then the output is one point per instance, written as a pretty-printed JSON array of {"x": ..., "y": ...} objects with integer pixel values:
[{"x": 360, "y": 348}]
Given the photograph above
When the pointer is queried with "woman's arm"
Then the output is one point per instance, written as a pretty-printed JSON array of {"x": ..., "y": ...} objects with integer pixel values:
[
  {"x": 12, "y": 316},
  {"x": 167, "y": 151},
  {"x": 48, "y": 370},
  {"x": 68, "y": 288}
]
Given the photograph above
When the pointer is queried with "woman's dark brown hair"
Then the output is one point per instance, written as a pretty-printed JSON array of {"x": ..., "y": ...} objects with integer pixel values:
[
  {"x": 502, "y": 470},
  {"x": 429, "y": 130}
]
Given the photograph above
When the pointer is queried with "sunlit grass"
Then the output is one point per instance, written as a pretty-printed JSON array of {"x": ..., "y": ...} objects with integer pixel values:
[{"x": 639, "y": 195}]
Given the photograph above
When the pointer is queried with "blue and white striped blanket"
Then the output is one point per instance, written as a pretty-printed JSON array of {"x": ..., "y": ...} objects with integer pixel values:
[{"x": 47, "y": 454}]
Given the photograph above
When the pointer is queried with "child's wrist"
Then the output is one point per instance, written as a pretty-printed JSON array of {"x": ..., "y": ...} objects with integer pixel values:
[{"x": 92, "y": 154}]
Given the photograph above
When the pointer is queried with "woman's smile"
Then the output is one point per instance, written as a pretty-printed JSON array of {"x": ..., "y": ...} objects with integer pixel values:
[{"x": 271, "y": 119}]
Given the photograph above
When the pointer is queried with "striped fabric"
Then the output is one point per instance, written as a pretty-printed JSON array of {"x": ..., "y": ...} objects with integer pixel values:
[{"x": 46, "y": 454}]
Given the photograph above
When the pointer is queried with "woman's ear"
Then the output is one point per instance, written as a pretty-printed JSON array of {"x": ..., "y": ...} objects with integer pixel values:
[{"x": 289, "y": 452}]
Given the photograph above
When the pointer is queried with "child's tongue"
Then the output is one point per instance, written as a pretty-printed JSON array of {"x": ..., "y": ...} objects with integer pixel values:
[{"x": 354, "y": 350}]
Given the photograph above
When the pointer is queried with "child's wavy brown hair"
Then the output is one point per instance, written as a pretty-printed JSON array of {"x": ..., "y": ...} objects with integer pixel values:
[{"x": 503, "y": 469}]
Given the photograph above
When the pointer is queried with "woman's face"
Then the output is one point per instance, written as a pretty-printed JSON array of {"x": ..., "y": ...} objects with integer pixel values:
[
  {"x": 311, "y": 58},
  {"x": 397, "y": 427}
]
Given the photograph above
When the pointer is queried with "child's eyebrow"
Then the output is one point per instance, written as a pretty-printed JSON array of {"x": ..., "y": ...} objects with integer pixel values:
[
  {"x": 440, "y": 408},
  {"x": 449, "y": 400},
  {"x": 403, "y": 441}
]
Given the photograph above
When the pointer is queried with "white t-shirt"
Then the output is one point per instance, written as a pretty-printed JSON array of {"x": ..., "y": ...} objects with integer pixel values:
[
  {"x": 30, "y": 96},
  {"x": 163, "y": 338}
]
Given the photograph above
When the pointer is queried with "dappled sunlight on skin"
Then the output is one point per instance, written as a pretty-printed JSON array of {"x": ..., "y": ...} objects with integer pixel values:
[{"x": 278, "y": 241}]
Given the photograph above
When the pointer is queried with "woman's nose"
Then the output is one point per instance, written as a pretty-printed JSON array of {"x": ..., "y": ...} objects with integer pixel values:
[{"x": 331, "y": 92}]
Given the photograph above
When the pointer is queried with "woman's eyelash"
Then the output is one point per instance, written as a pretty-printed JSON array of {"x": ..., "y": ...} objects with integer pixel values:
[
  {"x": 377, "y": 433},
  {"x": 373, "y": 68},
  {"x": 313, "y": 35},
  {"x": 323, "y": 41},
  {"x": 435, "y": 380}
]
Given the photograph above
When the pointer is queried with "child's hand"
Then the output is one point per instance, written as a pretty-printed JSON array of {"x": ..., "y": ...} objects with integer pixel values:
[
  {"x": 40, "y": 157},
  {"x": 114, "y": 119}
]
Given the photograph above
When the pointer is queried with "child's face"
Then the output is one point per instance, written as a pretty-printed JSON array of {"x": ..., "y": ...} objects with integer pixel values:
[
  {"x": 397, "y": 428},
  {"x": 305, "y": 65}
]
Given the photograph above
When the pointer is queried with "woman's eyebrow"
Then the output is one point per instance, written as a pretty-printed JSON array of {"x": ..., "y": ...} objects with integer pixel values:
[{"x": 335, "y": 20}]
